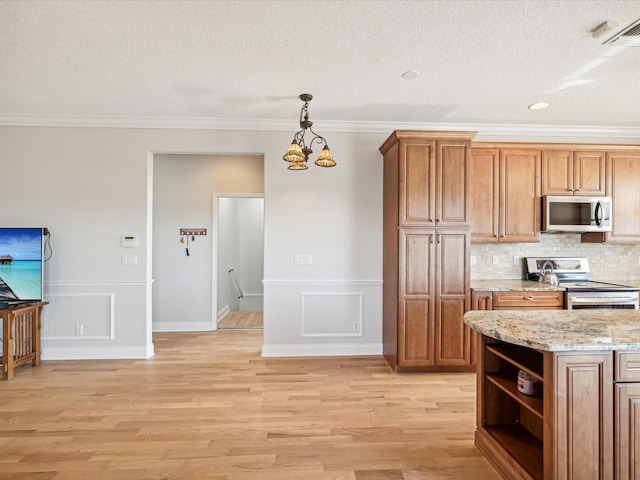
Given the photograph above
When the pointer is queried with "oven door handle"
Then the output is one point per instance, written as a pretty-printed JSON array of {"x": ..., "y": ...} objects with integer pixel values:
[{"x": 603, "y": 301}]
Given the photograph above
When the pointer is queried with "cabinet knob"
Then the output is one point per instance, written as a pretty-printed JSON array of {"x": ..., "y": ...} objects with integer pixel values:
[
  {"x": 529, "y": 298},
  {"x": 577, "y": 189}
]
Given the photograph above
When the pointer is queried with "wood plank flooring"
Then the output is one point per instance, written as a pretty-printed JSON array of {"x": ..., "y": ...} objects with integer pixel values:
[
  {"x": 207, "y": 406},
  {"x": 242, "y": 319}
]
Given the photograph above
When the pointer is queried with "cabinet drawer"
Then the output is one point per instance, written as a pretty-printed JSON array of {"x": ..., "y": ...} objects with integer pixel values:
[
  {"x": 528, "y": 300},
  {"x": 627, "y": 366}
]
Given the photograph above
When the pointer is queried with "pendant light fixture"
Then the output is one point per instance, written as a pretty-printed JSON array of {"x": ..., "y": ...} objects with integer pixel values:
[{"x": 299, "y": 151}]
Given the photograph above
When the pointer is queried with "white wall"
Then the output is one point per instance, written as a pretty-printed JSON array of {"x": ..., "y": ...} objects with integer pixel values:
[
  {"x": 228, "y": 255},
  {"x": 90, "y": 186},
  {"x": 183, "y": 189}
]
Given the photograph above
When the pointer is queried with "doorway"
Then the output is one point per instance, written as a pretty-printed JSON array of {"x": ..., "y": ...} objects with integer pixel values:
[
  {"x": 239, "y": 251},
  {"x": 184, "y": 268}
]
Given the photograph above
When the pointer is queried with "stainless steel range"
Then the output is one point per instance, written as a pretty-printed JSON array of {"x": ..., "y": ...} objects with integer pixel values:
[{"x": 580, "y": 292}]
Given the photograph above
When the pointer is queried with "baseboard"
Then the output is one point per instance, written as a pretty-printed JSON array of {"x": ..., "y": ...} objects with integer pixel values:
[
  {"x": 96, "y": 353},
  {"x": 182, "y": 327},
  {"x": 223, "y": 311},
  {"x": 319, "y": 350}
]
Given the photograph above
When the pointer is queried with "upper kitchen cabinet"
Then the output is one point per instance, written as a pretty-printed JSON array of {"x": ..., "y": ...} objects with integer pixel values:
[
  {"x": 504, "y": 195},
  {"x": 623, "y": 186},
  {"x": 432, "y": 177},
  {"x": 567, "y": 172}
]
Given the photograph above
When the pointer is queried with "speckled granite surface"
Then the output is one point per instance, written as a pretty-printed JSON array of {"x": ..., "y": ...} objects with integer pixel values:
[
  {"x": 560, "y": 330},
  {"x": 513, "y": 285}
]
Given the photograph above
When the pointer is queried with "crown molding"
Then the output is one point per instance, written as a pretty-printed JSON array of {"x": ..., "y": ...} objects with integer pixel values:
[{"x": 485, "y": 130}]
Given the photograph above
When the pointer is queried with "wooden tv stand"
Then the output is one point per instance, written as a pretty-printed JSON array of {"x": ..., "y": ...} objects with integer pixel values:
[{"x": 21, "y": 325}]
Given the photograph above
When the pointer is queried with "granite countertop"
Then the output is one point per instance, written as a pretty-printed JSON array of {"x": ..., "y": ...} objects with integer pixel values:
[
  {"x": 560, "y": 330},
  {"x": 513, "y": 286}
]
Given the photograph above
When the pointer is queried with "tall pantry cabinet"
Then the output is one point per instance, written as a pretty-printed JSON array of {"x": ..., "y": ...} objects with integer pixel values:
[{"x": 426, "y": 242}]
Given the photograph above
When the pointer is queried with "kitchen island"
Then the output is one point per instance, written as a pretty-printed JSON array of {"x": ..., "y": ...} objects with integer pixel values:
[{"x": 584, "y": 421}]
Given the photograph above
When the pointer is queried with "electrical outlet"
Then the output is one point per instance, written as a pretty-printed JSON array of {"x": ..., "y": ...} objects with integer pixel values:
[
  {"x": 473, "y": 260},
  {"x": 516, "y": 260},
  {"x": 79, "y": 329},
  {"x": 495, "y": 260},
  {"x": 356, "y": 327}
]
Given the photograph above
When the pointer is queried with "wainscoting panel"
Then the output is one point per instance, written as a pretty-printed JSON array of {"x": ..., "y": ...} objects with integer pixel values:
[
  {"x": 307, "y": 317},
  {"x": 331, "y": 314},
  {"x": 72, "y": 309},
  {"x": 96, "y": 320}
]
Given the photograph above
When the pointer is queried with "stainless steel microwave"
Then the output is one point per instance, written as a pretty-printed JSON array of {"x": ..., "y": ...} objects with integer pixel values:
[{"x": 576, "y": 214}]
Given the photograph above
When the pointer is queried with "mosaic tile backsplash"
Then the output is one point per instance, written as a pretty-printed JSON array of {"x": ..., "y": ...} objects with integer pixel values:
[{"x": 607, "y": 262}]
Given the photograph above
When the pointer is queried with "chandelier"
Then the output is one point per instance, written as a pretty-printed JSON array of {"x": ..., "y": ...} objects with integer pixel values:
[{"x": 299, "y": 151}]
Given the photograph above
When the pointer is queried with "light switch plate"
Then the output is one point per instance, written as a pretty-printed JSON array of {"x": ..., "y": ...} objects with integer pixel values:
[{"x": 303, "y": 259}]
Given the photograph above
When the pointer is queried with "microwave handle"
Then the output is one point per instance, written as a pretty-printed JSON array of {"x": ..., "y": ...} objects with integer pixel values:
[{"x": 598, "y": 213}]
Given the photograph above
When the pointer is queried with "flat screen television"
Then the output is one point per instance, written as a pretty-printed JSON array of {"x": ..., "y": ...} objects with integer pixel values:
[{"x": 21, "y": 264}]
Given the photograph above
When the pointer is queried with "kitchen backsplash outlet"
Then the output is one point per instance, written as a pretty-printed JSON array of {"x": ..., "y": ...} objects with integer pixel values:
[{"x": 607, "y": 262}]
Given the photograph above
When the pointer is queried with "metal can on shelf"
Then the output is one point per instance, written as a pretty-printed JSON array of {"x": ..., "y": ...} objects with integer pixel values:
[{"x": 527, "y": 383}]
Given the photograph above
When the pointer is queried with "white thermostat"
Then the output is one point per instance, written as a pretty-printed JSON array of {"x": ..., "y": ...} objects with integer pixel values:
[{"x": 129, "y": 241}]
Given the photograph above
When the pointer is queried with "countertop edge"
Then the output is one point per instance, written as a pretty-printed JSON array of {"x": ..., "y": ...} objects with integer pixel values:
[{"x": 502, "y": 325}]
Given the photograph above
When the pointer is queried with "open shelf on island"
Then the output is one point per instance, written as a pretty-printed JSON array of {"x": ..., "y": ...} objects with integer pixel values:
[
  {"x": 523, "y": 358},
  {"x": 521, "y": 445},
  {"x": 510, "y": 387}
]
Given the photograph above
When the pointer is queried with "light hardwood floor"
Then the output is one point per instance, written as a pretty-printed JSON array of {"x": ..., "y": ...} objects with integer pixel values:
[
  {"x": 241, "y": 319},
  {"x": 207, "y": 406}
]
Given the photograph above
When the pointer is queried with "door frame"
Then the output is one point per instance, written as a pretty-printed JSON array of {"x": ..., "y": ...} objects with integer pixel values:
[{"x": 214, "y": 247}]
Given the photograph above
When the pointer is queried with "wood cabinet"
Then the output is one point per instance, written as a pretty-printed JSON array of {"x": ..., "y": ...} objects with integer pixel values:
[
  {"x": 567, "y": 172},
  {"x": 481, "y": 300},
  {"x": 426, "y": 251},
  {"x": 627, "y": 416},
  {"x": 517, "y": 300},
  {"x": 562, "y": 433},
  {"x": 505, "y": 195},
  {"x": 433, "y": 179},
  {"x": 527, "y": 300},
  {"x": 627, "y": 431},
  {"x": 433, "y": 299},
  {"x": 623, "y": 179}
]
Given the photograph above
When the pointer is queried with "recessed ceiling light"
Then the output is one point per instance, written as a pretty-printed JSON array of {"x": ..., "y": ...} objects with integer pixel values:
[
  {"x": 539, "y": 105},
  {"x": 410, "y": 74}
]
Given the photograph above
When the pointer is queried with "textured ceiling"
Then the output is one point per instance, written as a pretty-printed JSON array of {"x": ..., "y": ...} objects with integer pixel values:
[{"x": 480, "y": 62}]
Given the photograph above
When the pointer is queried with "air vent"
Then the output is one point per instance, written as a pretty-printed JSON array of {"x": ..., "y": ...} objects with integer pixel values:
[{"x": 629, "y": 37}]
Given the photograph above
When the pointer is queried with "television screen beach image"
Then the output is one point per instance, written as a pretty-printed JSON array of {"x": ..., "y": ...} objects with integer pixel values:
[{"x": 20, "y": 264}]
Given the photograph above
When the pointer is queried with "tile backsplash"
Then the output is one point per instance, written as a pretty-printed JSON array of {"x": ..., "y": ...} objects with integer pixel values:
[{"x": 607, "y": 262}]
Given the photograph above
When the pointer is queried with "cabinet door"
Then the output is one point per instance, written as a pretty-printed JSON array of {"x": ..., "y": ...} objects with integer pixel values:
[
  {"x": 627, "y": 428},
  {"x": 481, "y": 300},
  {"x": 417, "y": 181},
  {"x": 484, "y": 181},
  {"x": 452, "y": 284},
  {"x": 452, "y": 207},
  {"x": 584, "y": 431},
  {"x": 588, "y": 173},
  {"x": 557, "y": 172},
  {"x": 623, "y": 182},
  {"x": 519, "y": 196},
  {"x": 416, "y": 316}
]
